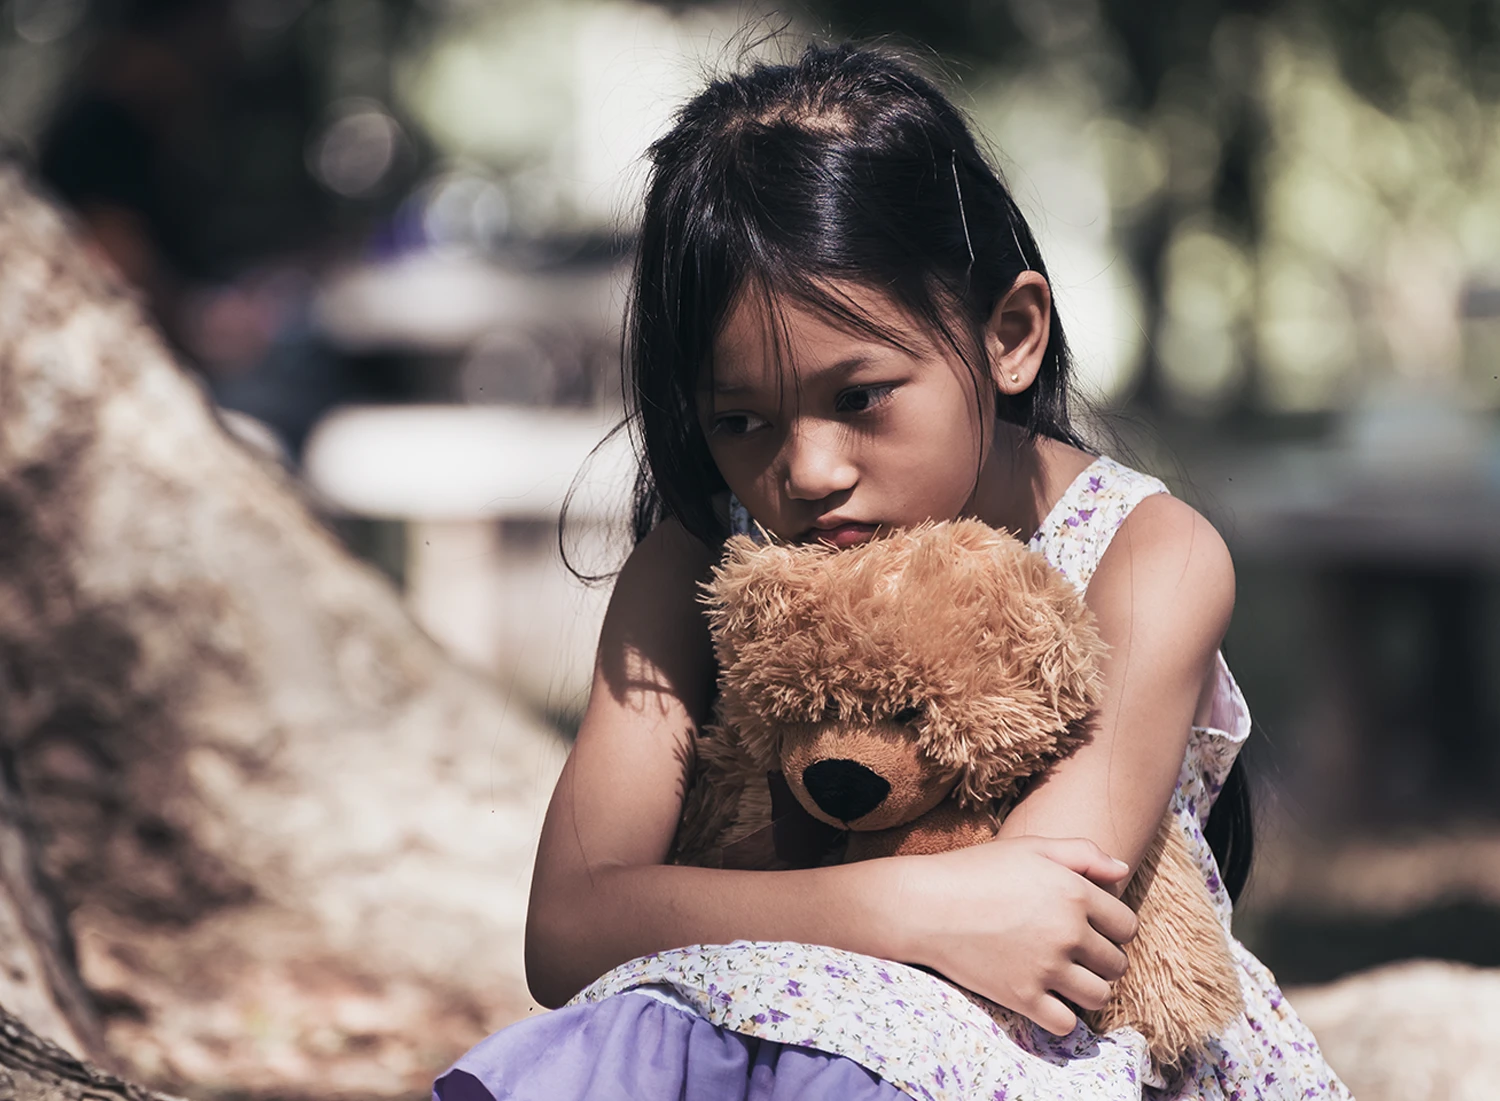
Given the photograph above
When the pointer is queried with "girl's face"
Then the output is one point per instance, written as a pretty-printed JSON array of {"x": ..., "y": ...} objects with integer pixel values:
[{"x": 843, "y": 432}]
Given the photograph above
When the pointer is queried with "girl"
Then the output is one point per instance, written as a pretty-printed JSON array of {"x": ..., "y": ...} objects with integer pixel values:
[{"x": 840, "y": 322}]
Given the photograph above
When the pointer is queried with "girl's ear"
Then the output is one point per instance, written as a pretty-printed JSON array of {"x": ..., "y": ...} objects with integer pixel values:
[{"x": 1015, "y": 337}]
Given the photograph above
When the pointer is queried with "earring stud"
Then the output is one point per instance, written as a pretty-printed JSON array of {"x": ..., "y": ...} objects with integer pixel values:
[{"x": 1015, "y": 378}]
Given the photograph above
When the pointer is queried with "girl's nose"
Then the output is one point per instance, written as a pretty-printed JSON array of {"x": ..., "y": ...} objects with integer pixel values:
[{"x": 816, "y": 466}]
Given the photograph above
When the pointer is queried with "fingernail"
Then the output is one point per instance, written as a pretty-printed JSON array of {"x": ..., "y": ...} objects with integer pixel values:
[{"x": 1118, "y": 863}]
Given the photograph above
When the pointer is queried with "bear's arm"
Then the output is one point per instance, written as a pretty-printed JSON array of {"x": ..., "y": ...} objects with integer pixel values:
[{"x": 1162, "y": 598}]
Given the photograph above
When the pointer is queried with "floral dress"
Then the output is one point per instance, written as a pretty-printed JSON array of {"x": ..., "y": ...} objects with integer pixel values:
[{"x": 917, "y": 1033}]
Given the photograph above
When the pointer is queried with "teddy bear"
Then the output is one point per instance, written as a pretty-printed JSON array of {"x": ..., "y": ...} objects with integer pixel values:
[{"x": 897, "y": 697}]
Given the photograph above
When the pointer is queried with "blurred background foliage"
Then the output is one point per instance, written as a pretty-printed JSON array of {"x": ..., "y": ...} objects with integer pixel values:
[
  {"x": 1259, "y": 208},
  {"x": 1274, "y": 230},
  {"x": 1280, "y": 174}
]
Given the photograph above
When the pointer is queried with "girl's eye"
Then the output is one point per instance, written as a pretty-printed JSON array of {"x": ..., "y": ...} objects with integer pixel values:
[
  {"x": 737, "y": 424},
  {"x": 859, "y": 399}
]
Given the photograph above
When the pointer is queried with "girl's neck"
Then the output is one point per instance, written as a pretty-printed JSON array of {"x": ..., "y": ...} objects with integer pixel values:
[{"x": 1022, "y": 479}]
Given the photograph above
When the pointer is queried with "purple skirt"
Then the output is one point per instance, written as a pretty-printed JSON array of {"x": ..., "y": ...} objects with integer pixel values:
[{"x": 632, "y": 1047}]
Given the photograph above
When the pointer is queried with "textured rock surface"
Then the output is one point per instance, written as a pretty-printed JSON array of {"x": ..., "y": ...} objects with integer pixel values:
[
  {"x": 33, "y": 1068},
  {"x": 1416, "y": 1031},
  {"x": 293, "y": 838}
]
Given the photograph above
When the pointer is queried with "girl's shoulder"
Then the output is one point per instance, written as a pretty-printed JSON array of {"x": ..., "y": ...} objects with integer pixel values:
[
  {"x": 669, "y": 555},
  {"x": 1166, "y": 564},
  {"x": 1132, "y": 548},
  {"x": 655, "y": 633}
]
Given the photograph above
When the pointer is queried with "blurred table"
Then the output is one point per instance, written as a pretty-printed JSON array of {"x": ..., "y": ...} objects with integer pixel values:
[{"x": 453, "y": 476}]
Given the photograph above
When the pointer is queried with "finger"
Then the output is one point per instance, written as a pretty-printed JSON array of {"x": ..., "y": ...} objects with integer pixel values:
[
  {"x": 1084, "y": 857},
  {"x": 1113, "y": 918},
  {"x": 1102, "y": 956},
  {"x": 1083, "y": 988},
  {"x": 1050, "y": 1013}
]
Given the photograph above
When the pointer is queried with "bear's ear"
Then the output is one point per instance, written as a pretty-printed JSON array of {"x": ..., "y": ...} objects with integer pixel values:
[
  {"x": 1033, "y": 679},
  {"x": 761, "y": 613},
  {"x": 757, "y": 591},
  {"x": 978, "y": 537}
]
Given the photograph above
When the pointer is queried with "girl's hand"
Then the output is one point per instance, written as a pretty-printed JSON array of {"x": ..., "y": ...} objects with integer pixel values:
[{"x": 1022, "y": 921}]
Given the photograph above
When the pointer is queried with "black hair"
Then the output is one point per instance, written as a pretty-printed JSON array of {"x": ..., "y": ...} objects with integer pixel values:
[{"x": 845, "y": 167}]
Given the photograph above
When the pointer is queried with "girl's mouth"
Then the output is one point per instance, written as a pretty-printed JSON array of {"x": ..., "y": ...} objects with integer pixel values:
[{"x": 844, "y": 535}]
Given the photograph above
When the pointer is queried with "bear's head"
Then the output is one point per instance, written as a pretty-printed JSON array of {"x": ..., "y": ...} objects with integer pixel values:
[{"x": 944, "y": 659}]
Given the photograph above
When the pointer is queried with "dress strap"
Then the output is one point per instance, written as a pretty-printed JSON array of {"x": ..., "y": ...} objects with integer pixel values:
[
  {"x": 740, "y": 522},
  {"x": 1078, "y": 530}
]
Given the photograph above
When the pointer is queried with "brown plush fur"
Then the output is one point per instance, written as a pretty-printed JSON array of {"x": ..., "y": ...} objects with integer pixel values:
[{"x": 955, "y": 665}]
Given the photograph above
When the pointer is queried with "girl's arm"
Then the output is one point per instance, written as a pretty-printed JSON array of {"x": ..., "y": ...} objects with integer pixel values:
[
  {"x": 995, "y": 918},
  {"x": 600, "y": 894},
  {"x": 1162, "y": 596}
]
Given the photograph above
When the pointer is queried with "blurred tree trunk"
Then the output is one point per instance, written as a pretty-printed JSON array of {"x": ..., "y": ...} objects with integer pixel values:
[{"x": 291, "y": 838}]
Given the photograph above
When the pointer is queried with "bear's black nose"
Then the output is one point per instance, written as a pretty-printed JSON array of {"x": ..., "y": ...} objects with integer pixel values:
[{"x": 845, "y": 790}]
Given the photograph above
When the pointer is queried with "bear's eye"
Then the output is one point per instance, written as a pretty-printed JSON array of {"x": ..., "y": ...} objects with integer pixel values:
[
  {"x": 830, "y": 710},
  {"x": 909, "y": 715}
]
